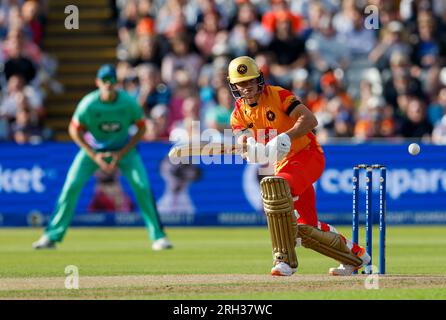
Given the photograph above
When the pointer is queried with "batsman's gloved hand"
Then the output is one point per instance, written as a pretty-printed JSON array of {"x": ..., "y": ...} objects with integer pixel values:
[
  {"x": 255, "y": 151},
  {"x": 280, "y": 145}
]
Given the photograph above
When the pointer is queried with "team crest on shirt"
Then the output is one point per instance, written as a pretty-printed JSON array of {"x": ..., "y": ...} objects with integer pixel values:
[
  {"x": 270, "y": 115},
  {"x": 110, "y": 126},
  {"x": 242, "y": 69}
]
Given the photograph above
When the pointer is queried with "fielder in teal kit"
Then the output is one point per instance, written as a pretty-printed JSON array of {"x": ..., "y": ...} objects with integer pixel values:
[{"x": 107, "y": 115}]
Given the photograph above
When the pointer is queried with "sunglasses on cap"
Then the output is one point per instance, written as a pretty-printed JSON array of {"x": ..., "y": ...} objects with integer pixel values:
[{"x": 108, "y": 80}]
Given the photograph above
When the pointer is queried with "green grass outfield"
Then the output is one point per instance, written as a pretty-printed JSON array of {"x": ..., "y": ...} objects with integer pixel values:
[{"x": 211, "y": 263}]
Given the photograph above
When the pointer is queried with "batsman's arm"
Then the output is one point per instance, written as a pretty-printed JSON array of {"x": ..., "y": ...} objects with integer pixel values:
[{"x": 305, "y": 121}]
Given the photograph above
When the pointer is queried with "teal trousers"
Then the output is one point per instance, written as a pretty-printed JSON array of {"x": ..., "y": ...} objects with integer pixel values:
[{"x": 80, "y": 172}]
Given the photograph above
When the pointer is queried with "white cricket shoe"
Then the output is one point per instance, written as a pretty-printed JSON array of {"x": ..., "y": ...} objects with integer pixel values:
[
  {"x": 162, "y": 244},
  {"x": 282, "y": 269},
  {"x": 346, "y": 269},
  {"x": 44, "y": 243},
  {"x": 343, "y": 270}
]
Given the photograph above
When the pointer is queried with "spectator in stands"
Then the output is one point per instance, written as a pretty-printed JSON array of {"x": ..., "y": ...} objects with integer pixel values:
[
  {"x": 375, "y": 120},
  {"x": 331, "y": 88},
  {"x": 288, "y": 50},
  {"x": 427, "y": 48},
  {"x": 152, "y": 90},
  {"x": 184, "y": 89},
  {"x": 29, "y": 49},
  {"x": 129, "y": 16},
  {"x": 205, "y": 7},
  {"x": 406, "y": 58},
  {"x": 393, "y": 41},
  {"x": 10, "y": 16},
  {"x": 18, "y": 95},
  {"x": 279, "y": 9},
  {"x": 181, "y": 57},
  {"x": 325, "y": 50},
  {"x": 415, "y": 124},
  {"x": 400, "y": 82},
  {"x": 21, "y": 112},
  {"x": 158, "y": 123},
  {"x": 343, "y": 19},
  {"x": 146, "y": 8},
  {"x": 439, "y": 132},
  {"x": 358, "y": 40},
  {"x": 366, "y": 93},
  {"x": 212, "y": 76},
  {"x": 264, "y": 61},
  {"x": 316, "y": 11},
  {"x": 189, "y": 121},
  {"x": 32, "y": 21},
  {"x": 18, "y": 63},
  {"x": 333, "y": 108},
  {"x": 247, "y": 28},
  {"x": 218, "y": 117},
  {"x": 123, "y": 68},
  {"x": 177, "y": 17},
  {"x": 205, "y": 38},
  {"x": 437, "y": 109},
  {"x": 127, "y": 22},
  {"x": 301, "y": 86},
  {"x": 131, "y": 84},
  {"x": 25, "y": 129},
  {"x": 148, "y": 51},
  {"x": 5, "y": 15}
]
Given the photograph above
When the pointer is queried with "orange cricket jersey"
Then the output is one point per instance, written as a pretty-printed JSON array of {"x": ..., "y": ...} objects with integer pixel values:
[{"x": 271, "y": 112}]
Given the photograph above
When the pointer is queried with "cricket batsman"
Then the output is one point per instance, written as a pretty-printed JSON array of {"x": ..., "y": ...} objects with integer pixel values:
[
  {"x": 288, "y": 196},
  {"x": 106, "y": 114}
]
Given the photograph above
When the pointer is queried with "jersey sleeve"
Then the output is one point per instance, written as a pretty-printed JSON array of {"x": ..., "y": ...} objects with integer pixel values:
[
  {"x": 80, "y": 115},
  {"x": 288, "y": 101},
  {"x": 237, "y": 122}
]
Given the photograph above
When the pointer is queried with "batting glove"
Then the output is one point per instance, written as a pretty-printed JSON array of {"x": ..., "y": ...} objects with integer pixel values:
[
  {"x": 255, "y": 151},
  {"x": 280, "y": 145}
]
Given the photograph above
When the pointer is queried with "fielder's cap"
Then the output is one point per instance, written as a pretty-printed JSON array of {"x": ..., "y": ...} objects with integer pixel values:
[{"x": 107, "y": 72}]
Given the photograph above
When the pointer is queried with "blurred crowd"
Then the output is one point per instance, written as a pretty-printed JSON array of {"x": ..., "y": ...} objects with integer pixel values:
[
  {"x": 361, "y": 82},
  {"x": 27, "y": 73},
  {"x": 364, "y": 76}
]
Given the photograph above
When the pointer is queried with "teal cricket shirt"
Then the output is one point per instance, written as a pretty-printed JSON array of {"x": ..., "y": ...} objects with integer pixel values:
[{"x": 108, "y": 122}]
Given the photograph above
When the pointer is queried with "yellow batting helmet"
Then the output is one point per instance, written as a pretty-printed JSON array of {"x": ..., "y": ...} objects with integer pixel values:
[{"x": 242, "y": 69}]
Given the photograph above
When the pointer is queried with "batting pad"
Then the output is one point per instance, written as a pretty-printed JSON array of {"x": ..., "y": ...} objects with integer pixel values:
[
  {"x": 282, "y": 225},
  {"x": 327, "y": 243}
]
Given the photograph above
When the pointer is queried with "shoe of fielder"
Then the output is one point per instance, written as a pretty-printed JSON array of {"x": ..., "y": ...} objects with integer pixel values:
[
  {"x": 44, "y": 243},
  {"x": 348, "y": 270},
  {"x": 282, "y": 269},
  {"x": 162, "y": 244}
]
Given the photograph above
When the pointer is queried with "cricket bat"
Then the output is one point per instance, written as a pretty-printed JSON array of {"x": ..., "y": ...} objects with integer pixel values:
[{"x": 205, "y": 149}]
